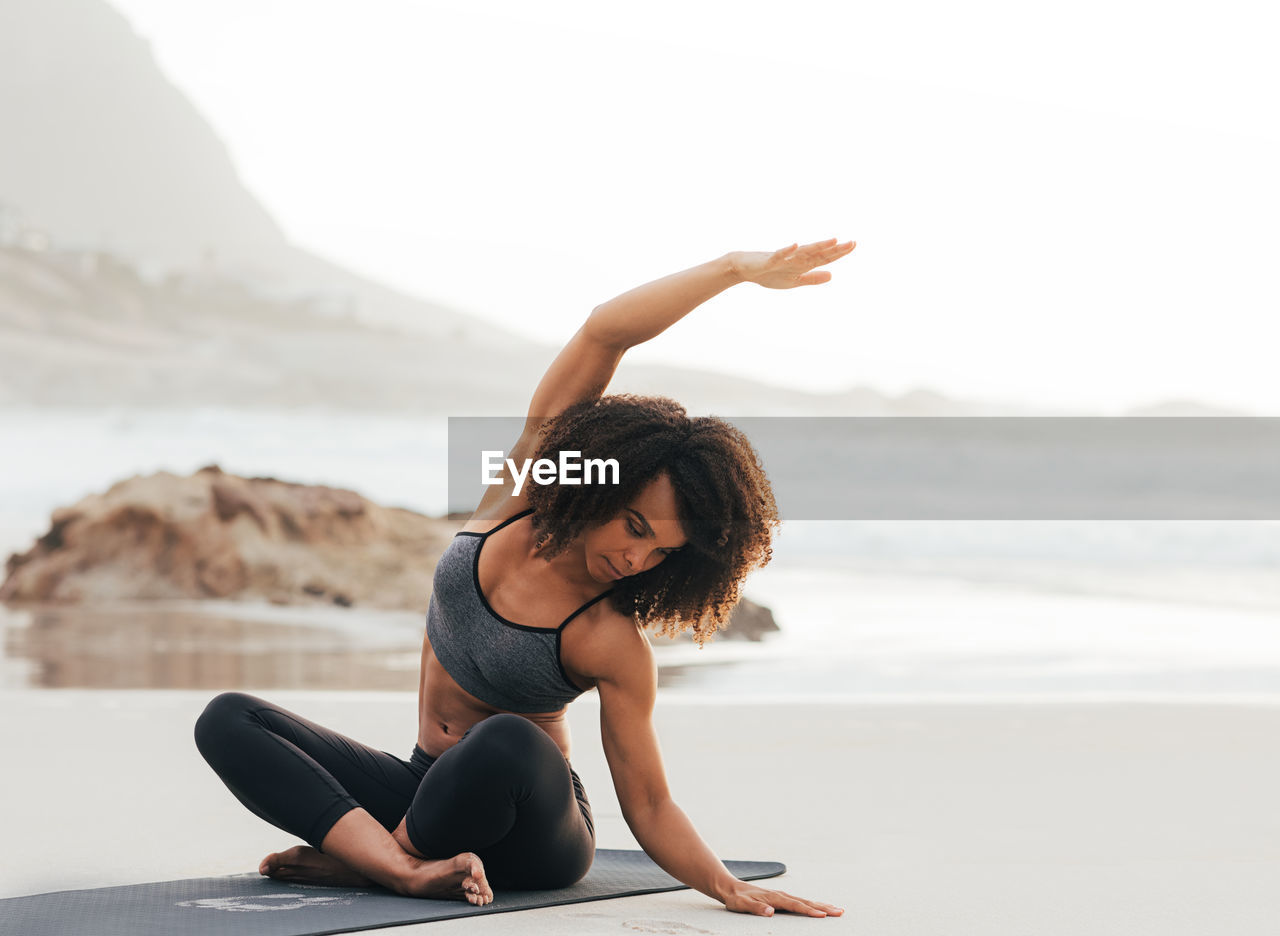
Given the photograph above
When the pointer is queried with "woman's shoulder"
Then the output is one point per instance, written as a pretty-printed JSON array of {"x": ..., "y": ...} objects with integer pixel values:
[
  {"x": 500, "y": 499},
  {"x": 616, "y": 647}
]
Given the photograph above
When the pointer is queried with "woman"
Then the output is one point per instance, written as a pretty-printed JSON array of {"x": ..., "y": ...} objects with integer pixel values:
[{"x": 518, "y": 627}]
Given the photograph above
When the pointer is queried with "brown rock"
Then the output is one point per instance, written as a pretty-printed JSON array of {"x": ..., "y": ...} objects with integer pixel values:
[
  {"x": 750, "y": 621},
  {"x": 215, "y": 535},
  {"x": 228, "y": 502}
]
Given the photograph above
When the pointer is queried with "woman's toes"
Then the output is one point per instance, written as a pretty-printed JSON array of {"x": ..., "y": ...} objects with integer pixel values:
[
  {"x": 474, "y": 882},
  {"x": 277, "y": 862}
]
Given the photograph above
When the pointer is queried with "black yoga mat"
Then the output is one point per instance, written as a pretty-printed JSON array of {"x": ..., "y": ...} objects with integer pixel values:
[{"x": 252, "y": 905}]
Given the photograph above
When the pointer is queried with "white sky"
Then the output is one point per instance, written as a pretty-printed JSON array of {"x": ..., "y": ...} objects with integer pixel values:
[{"x": 1072, "y": 204}]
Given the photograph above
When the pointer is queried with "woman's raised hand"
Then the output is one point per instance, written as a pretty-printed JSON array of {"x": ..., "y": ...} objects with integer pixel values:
[{"x": 790, "y": 266}]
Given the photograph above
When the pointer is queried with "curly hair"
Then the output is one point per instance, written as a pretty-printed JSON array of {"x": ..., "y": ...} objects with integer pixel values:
[{"x": 724, "y": 503}]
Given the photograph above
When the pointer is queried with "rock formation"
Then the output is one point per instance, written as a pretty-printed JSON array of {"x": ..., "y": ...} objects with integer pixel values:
[
  {"x": 215, "y": 535},
  {"x": 749, "y": 621},
  {"x": 218, "y": 536}
]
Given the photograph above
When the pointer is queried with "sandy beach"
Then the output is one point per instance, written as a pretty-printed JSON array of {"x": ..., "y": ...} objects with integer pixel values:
[{"x": 920, "y": 818}]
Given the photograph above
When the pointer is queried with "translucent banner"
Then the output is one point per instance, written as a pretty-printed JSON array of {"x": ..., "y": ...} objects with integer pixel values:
[{"x": 972, "y": 468}]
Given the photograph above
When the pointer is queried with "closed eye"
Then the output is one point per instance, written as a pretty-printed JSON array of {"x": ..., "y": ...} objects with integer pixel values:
[{"x": 637, "y": 532}]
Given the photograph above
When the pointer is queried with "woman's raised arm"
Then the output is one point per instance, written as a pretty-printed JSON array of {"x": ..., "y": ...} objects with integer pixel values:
[
  {"x": 583, "y": 368},
  {"x": 587, "y": 363}
]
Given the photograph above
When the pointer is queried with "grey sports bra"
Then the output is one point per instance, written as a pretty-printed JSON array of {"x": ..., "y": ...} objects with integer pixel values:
[{"x": 507, "y": 665}]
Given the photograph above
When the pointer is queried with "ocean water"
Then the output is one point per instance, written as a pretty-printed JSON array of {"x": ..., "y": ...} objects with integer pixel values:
[
  {"x": 866, "y": 610},
  {"x": 1013, "y": 628}
]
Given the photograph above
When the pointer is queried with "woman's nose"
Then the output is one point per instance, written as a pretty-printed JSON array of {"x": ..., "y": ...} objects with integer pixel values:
[{"x": 644, "y": 561}]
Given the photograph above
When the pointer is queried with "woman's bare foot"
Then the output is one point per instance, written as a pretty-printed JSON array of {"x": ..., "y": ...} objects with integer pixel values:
[
  {"x": 310, "y": 866},
  {"x": 461, "y": 877}
]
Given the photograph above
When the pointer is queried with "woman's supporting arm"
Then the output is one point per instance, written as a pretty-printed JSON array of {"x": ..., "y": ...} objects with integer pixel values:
[{"x": 627, "y": 683}]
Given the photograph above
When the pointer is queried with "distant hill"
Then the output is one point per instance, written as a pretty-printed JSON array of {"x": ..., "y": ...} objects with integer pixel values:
[
  {"x": 85, "y": 328},
  {"x": 1184, "y": 408}
]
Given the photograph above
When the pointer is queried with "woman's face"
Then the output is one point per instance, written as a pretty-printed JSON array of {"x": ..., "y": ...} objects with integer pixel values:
[{"x": 645, "y": 533}]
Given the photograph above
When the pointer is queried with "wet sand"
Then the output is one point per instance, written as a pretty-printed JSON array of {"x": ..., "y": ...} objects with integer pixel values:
[
  {"x": 229, "y": 645},
  {"x": 207, "y": 646},
  {"x": 917, "y": 818}
]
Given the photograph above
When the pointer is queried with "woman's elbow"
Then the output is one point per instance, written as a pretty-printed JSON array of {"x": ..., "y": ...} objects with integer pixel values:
[
  {"x": 599, "y": 329},
  {"x": 639, "y": 810}
]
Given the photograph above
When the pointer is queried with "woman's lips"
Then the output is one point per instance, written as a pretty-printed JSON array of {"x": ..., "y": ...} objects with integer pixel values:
[{"x": 616, "y": 574}]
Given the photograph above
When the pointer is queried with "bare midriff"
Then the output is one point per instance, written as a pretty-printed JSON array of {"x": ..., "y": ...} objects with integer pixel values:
[{"x": 447, "y": 710}]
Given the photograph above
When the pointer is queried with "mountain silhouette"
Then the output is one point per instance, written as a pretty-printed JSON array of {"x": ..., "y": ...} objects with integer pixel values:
[
  {"x": 105, "y": 153},
  {"x": 101, "y": 152}
]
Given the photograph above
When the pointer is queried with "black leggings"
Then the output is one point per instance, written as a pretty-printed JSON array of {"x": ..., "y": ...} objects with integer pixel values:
[{"x": 504, "y": 791}]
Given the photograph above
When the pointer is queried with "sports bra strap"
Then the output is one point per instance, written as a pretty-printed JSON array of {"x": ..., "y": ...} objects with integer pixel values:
[
  {"x": 525, "y": 513},
  {"x": 604, "y": 594},
  {"x": 509, "y": 520}
]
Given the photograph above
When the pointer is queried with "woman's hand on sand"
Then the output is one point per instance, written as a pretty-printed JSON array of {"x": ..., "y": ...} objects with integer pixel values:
[
  {"x": 747, "y": 898},
  {"x": 790, "y": 266}
]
